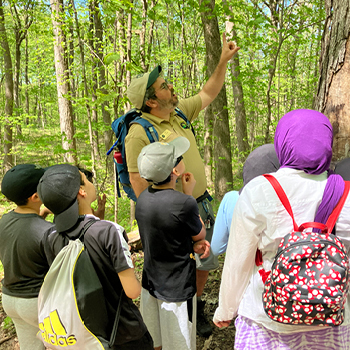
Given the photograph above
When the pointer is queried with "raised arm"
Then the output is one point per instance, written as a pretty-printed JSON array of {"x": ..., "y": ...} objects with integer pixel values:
[{"x": 214, "y": 84}]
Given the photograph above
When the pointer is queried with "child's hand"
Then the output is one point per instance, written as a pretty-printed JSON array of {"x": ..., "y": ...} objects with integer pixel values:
[
  {"x": 44, "y": 212},
  {"x": 202, "y": 247},
  {"x": 101, "y": 206},
  {"x": 188, "y": 183}
]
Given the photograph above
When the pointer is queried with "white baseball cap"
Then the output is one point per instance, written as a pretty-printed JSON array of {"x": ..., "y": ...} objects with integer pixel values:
[{"x": 157, "y": 160}]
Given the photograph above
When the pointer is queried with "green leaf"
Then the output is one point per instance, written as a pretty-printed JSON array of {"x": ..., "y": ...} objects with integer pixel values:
[{"x": 112, "y": 56}]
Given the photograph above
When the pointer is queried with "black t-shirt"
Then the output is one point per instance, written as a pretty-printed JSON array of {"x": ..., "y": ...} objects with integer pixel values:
[
  {"x": 109, "y": 253},
  {"x": 167, "y": 219},
  {"x": 22, "y": 253}
]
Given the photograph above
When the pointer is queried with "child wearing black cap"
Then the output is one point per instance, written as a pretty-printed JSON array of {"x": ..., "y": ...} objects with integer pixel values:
[
  {"x": 171, "y": 231},
  {"x": 68, "y": 194},
  {"x": 21, "y": 252}
]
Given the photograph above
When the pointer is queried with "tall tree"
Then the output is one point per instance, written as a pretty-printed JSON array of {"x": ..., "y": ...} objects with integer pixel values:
[
  {"x": 8, "y": 159},
  {"x": 86, "y": 90},
  {"x": 99, "y": 33},
  {"x": 238, "y": 95},
  {"x": 221, "y": 130},
  {"x": 333, "y": 93},
  {"x": 63, "y": 86},
  {"x": 21, "y": 30},
  {"x": 94, "y": 80}
]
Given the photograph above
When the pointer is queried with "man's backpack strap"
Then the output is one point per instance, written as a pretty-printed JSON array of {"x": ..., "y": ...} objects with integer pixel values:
[
  {"x": 149, "y": 128},
  {"x": 183, "y": 116}
]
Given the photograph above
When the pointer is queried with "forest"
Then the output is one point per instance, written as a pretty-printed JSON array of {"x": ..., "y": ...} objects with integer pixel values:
[{"x": 65, "y": 66}]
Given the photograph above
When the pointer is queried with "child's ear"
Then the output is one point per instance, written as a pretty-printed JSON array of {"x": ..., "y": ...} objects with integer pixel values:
[
  {"x": 34, "y": 198},
  {"x": 176, "y": 172},
  {"x": 81, "y": 192}
]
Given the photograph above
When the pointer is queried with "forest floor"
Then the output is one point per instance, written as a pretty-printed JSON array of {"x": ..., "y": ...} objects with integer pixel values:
[{"x": 221, "y": 339}]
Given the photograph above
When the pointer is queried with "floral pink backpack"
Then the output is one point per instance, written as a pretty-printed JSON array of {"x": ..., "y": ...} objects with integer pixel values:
[{"x": 309, "y": 278}]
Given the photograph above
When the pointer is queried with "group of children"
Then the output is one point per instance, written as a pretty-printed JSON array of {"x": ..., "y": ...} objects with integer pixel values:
[
  {"x": 29, "y": 245},
  {"x": 172, "y": 232}
]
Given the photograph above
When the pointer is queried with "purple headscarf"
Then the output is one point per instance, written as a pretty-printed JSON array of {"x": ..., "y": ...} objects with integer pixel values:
[{"x": 303, "y": 140}]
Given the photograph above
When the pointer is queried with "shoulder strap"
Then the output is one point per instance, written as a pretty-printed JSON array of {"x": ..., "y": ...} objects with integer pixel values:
[
  {"x": 86, "y": 227},
  {"x": 117, "y": 316},
  {"x": 183, "y": 116},
  {"x": 149, "y": 128},
  {"x": 282, "y": 196},
  {"x": 336, "y": 211},
  {"x": 116, "y": 322}
]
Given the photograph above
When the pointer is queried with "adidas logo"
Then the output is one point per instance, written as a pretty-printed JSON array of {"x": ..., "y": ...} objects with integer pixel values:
[{"x": 53, "y": 331}]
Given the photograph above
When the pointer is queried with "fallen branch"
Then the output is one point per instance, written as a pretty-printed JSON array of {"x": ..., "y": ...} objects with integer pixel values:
[{"x": 6, "y": 339}]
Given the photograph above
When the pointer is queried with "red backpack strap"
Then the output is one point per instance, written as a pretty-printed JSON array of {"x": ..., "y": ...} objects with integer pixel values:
[
  {"x": 282, "y": 196},
  {"x": 336, "y": 211}
]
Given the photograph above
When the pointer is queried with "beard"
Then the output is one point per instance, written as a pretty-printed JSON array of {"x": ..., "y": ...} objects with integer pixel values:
[{"x": 171, "y": 103}]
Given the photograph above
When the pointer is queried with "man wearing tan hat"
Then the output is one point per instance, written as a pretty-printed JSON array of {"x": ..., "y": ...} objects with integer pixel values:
[{"x": 157, "y": 100}]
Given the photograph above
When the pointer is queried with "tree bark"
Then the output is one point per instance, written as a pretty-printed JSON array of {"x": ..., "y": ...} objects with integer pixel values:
[
  {"x": 21, "y": 31},
  {"x": 221, "y": 131},
  {"x": 240, "y": 114},
  {"x": 208, "y": 146},
  {"x": 63, "y": 86},
  {"x": 143, "y": 35},
  {"x": 276, "y": 18},
  {"x": 333, "y": 92},
  {"x": 86, "y": 90},
  {"x": 94, "y": 113},
  {"x": 106, "y": 116},
  {"x": 128, "y": 80},
  {"x": 26, "y": 80},
  {"x": 8, "y": 159}
]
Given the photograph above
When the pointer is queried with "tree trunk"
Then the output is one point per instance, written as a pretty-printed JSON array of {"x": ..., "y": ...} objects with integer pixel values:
[
  {"x": 128, "y": 43},
  {"x": 63, "y": 87},
  {"x": 16, "y": 82},
  {"x": 333, "y": 93},
  {"x": 240, "y": 115},
  {"x": 208, "y": 146},
  {"x": 21, "y": 30},
  {"x": 86, "y": 90},
  {"x": 8, "y": 159},
  {"x": 276, "y": 34},
  {"x": 128, "y": 80},
  {"x": 169, "y": 34},
  {"x": 120, "y": 65},
  {"x": 26, "y": 80},
  {"x": 143, "y": 35},
  {"x": 70, "y": 61},
  {"x": 94, "y": 113},
  {"x": 150, "y": 34},
  {"x": 108, "y": 133},
  {"x": 221, "y": 131}
]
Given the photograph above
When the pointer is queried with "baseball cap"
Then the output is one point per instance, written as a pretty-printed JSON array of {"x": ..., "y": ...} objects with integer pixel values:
[
  {"x": 157, "y": 160},
  {"x": 138, "y": 86},
  {"x": 20, "y": 182},
  {"x": 58, "y": 190}
]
